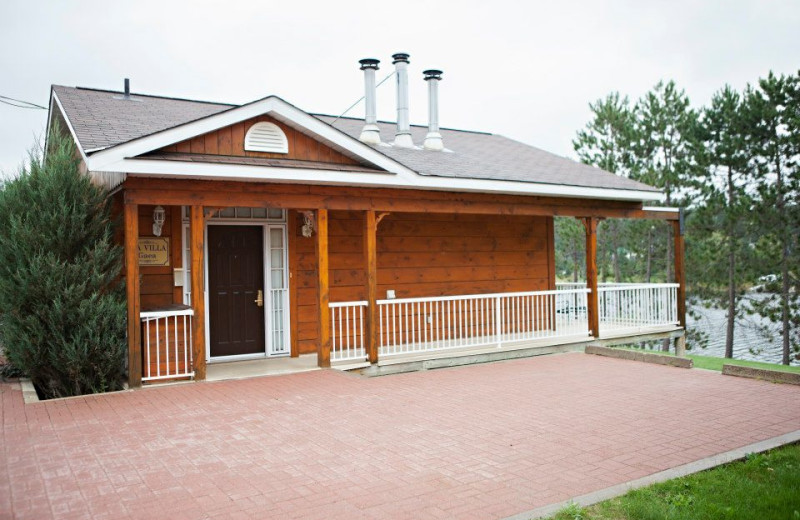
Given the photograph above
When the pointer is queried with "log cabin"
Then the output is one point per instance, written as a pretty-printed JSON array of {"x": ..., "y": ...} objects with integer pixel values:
[{"x": 261, "y": 231}]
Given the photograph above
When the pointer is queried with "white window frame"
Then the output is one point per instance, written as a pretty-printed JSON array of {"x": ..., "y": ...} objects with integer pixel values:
[{"x": 266, "y": 225}]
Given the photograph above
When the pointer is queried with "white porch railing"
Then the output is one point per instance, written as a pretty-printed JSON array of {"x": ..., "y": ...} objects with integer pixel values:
[
  {"x": 634, "y": 307},
  {"x": 418, "y": 325},
  {"x": 637, "y": 306},
  {"x": 347, "y": 331},
  {"x": 167, "y": 344}
]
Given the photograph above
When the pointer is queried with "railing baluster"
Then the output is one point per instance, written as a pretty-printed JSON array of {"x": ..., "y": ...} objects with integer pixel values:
[
  {"x": 158, "y": 350},
  {"x": 175, "y": 329}
]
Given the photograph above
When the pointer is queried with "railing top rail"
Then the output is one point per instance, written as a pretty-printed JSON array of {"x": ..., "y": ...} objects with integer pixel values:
[
  {"x": 481, "y": 296},
  {"x": 362, "y": 303},
  {"x": 639, "y": 286},
  {"x": 612, "y": 284},
  {"x": 149, "y": 315}
]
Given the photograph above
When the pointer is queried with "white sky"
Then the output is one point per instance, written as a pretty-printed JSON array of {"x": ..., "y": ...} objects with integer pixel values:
[{"x": 523, "y": 69}]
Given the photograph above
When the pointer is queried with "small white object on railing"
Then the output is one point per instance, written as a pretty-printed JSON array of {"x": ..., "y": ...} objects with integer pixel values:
[
  {"x": 347, "y": 331},
  {"x": 165, "y": 355}
]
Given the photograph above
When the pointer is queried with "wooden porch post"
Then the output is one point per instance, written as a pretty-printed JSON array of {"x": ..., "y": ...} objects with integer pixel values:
[
  {"x": 371, "y": 268},
  {"x": 132, "y": 292},
  {"x": 324, "y": 337},
  {"x": 680, "y": 273},
  {"x": 197, "y": 247},
  {"x": 593, "y": 299}
]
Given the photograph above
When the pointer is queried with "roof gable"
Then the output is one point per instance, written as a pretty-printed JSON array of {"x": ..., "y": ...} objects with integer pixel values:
[
  {"x": 230, "y": 141},
  {"x": 223, "y": 116}
]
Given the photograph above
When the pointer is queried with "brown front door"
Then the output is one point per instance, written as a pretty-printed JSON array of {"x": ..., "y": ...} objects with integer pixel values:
[{"x": 235, "y": 276}]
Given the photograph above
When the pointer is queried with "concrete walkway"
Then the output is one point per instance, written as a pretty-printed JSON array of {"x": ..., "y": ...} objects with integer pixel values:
[{"x": 484, "y": 441}]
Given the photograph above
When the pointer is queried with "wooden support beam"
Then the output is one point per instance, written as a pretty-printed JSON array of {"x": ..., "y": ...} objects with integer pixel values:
[
  {"x": 680, "y": 270},
  {"x": 197, "y": 251},
  {"x": 132, "y": 292},
  {"x": 293, "y": 196},
  {"x": 291, "y": 218},
  {"x": 323, "y": 282},
  {"x": 427, "y": 203},
  {"x": 593, "y": 298},
  {"x": 371, "y": 268}
]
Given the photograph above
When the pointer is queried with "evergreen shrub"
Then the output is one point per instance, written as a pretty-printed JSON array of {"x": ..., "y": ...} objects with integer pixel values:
[{"x": 61, "y": 299}]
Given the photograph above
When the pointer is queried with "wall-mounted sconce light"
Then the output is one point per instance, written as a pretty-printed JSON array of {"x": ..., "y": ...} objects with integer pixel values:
[
  {"x": 159, "y": 216},
  {"x": 308, "y": 223}
]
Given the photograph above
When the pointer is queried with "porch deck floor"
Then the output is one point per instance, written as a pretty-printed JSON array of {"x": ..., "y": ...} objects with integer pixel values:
[
  {"x": 482, "y": 441},
  {"x": 261, "y": 367}
]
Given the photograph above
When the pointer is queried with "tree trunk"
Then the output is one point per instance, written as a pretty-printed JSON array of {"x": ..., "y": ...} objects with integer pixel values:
[
  {"x": 575, "y": 265},
  {"x": 649, "y": 270},
  {"x": 615, "y": 254},
  {"x": 670, "y": 253},
  {"x": 731, "y": 272},
  {"x": 784, "y": 239}
]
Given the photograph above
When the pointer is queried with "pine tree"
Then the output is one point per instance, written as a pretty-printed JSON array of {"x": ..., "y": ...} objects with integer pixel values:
[
  {"x": 665, "y": 146},
  {"x": 61, "y": 302},
  {"x": 775, "y": 110},
  {"x": 605, "y": 142},
  {"x": 722, "y": 218}
]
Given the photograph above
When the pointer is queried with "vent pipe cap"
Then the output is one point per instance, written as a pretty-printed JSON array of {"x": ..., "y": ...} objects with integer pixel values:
[
  {"x": 432, "y": 74},
  {"x": 400, "y": 57},
  {"x": 369, "y": 63}
]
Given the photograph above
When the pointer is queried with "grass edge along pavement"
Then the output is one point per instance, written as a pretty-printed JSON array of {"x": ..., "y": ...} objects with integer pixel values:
[
  {"x": 762, "y": 485},
  {"x": 715, "y": 363}
]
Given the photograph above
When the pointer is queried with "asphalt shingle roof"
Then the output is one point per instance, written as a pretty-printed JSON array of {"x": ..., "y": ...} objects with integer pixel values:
[
  {"x": 477, "y": 155},
  {"x": 102, "y": 119}
]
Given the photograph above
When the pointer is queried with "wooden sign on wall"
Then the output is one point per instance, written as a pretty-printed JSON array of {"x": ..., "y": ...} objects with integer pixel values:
[{"x": 154, "y": 251}]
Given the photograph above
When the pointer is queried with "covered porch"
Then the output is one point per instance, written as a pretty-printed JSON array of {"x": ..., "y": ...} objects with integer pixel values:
[{"x": 344, "y": 301}]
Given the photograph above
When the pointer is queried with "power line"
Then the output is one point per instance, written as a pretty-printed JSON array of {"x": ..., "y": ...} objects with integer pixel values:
[
  {"x": 359, "y": 99},
  {"x": 25, "y": 104}
]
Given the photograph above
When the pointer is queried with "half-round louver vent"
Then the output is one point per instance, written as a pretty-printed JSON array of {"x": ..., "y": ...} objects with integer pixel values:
[{"x": 266, "y": 137}]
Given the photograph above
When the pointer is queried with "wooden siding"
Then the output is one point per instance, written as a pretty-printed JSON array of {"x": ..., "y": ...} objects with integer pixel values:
[
  {"x": 157, "y": 285},
  {"x": 421, "y": 255},
  {"x": 230, "y": 141}
]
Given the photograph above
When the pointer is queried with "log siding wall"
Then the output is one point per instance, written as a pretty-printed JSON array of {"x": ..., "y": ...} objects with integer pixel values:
[
  {"x": 157, "y": 286},
  {"x": 422, "y": 255}
]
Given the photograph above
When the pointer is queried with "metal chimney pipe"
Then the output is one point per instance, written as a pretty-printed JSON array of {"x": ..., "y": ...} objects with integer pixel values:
[
  {"x": 127, "y": 88},
  {"x": 370, "y": 134},
  {"x": 433, "y": 140},
  {"x": 402, "y": 138}
]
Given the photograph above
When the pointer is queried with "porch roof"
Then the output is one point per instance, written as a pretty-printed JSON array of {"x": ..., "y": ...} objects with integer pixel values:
[{"x": 101, "y": 120}]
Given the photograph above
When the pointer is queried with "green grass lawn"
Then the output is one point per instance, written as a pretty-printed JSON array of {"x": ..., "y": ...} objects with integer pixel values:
[
  {"x": 715, "y": 363},
  {"x": 761, "y": 487}
]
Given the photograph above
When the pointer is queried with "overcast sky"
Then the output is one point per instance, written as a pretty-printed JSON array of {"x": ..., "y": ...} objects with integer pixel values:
[{"x": 523, "y": 69}]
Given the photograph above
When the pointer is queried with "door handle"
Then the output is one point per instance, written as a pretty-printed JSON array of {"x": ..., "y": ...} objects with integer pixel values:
[{"x": 260, "y": 298}]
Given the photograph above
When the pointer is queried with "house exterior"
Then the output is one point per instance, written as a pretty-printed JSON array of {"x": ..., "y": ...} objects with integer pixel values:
[{"x": 261, "y": 231}]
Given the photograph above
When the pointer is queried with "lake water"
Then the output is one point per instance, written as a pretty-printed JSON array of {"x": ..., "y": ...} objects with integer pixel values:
[{"x": 748, "y": 342}]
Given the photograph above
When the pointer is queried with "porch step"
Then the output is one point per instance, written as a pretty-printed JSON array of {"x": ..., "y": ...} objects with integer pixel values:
[{"x": 399, "y": 366}]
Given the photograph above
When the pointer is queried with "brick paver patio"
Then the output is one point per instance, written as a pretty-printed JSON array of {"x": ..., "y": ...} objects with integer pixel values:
[{"x": 484, "y": 441}]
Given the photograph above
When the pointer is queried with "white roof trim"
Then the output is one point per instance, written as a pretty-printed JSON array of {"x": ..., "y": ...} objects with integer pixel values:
[
  {"x": 665, "y": 209},
  {"x": 196, "y": 170},
  {"x": 102, "y": 159},
  {"x": 54, "y": 97}
]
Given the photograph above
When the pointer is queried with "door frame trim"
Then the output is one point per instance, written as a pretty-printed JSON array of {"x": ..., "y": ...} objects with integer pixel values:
[{"x": 264, "y": 224}]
